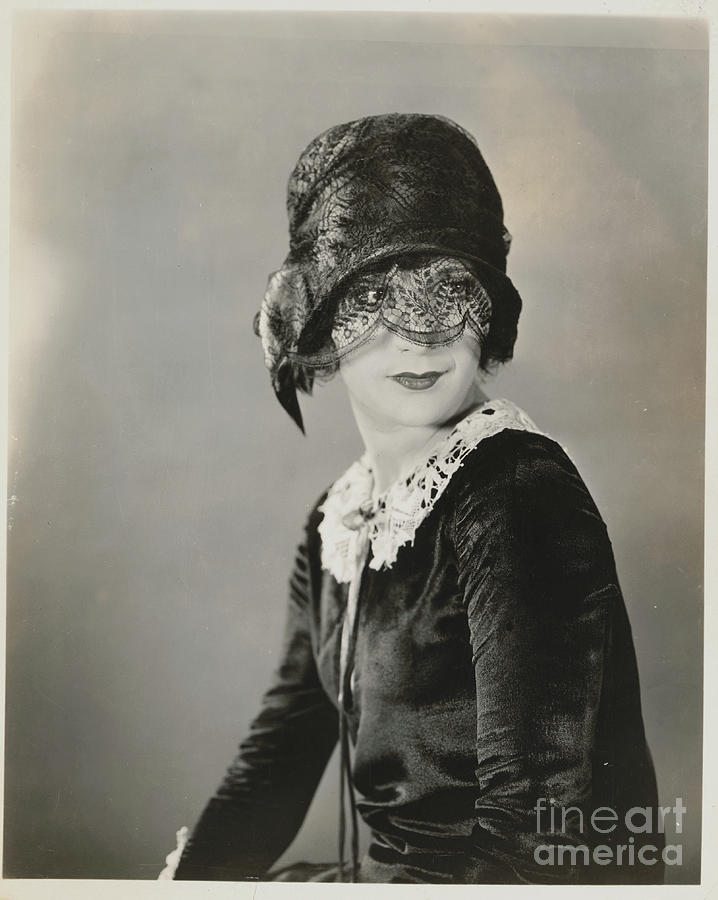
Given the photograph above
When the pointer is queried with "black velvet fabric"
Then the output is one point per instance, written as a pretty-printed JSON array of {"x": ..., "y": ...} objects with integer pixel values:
[{"x": 494, "y": 667}]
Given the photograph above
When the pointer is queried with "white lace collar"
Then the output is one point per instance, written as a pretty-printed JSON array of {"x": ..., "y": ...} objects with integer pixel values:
[{"x": 391, "y": 520}]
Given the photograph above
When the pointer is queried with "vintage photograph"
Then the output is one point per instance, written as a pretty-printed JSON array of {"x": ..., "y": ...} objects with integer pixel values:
[{"x": 356, "y": 448}]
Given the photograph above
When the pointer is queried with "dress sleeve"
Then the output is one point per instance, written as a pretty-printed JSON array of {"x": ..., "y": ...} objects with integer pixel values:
[
  {"x": 538, "y": 579},
  {"x": 261, "y": 803}
]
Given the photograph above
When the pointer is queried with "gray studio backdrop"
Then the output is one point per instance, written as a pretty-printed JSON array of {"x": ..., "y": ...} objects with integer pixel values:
[{"x": 157, "y": 489}]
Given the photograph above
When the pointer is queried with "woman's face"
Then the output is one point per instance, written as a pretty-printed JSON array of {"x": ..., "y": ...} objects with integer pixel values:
[{"x": 395, "y": 382}]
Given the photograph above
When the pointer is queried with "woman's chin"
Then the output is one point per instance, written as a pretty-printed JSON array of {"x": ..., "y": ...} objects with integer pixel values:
[{"x": 423, "y": 412}]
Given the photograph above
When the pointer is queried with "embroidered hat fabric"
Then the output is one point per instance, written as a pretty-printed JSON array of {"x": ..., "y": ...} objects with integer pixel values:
[{"x": 369, "y": 191}]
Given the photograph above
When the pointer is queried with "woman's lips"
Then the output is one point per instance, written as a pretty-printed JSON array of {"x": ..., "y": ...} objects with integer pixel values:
[{"x": 416, "y": 381}]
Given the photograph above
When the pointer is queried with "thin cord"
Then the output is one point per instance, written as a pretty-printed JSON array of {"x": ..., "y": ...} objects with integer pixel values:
[
  {"x": 355, "y": 821},
  {"x": 342, "y": 815},
  {"x": 347, "y": 646}
]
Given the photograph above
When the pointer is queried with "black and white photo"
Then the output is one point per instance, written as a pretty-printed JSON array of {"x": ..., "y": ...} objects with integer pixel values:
[{"x": 356, "y": 447}]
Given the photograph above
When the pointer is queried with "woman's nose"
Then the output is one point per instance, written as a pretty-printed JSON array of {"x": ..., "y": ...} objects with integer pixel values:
[{"x": 404, "y": 345}]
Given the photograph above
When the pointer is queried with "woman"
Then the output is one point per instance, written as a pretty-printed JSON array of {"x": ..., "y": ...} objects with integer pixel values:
[{"x": 454, "y": 620}]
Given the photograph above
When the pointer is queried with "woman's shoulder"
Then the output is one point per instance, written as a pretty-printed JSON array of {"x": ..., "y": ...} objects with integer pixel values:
[
  {"x": 519, "y": 455},
  {"x": 500, "y": 442},
  {"x": 527, "y": 467},
  {"x": 522, "y": 511},
  {"x": 524, "y": 478}
]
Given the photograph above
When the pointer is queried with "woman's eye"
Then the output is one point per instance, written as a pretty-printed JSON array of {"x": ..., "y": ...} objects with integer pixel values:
[
  {"x": 373, "y": 297},
  {"x": 449, "y": 287}
]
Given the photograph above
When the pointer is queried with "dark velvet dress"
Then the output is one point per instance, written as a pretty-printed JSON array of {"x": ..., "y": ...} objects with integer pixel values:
[{"x": 494, "y": 679}]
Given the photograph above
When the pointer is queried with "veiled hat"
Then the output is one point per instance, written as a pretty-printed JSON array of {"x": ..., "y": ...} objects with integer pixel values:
[{"x": 371, "y": 190}]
